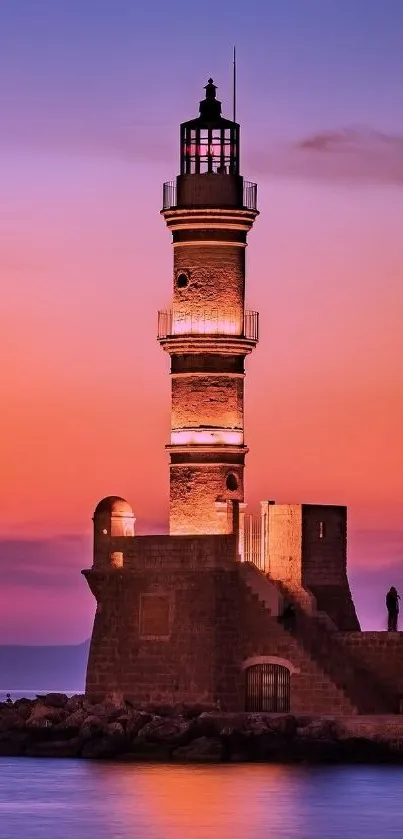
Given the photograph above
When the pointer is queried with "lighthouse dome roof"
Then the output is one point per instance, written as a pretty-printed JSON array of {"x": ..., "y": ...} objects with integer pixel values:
[{"x": 113, "y": 504}]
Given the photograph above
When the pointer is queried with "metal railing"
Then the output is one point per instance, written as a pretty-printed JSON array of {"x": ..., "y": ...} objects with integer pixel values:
[
  {"x": 169, "y": 195},
  {"x": 249, "y": 198},
  {"x": 249, "y": 195},
  {"x": 172, "y": 323},
  {"x": 252, "y": 541}
]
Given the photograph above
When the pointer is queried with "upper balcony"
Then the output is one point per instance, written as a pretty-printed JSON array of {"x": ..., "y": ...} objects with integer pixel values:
[
  {"x": 215, "y": 322},
  {"x": 209, "y": 190}
]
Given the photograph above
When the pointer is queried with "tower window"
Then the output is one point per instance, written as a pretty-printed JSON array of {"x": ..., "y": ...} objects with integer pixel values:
[
  {"x": 321, "y": 530},
  {"x": 182, "y": 280},
  {"x": 232, "y": 482}
]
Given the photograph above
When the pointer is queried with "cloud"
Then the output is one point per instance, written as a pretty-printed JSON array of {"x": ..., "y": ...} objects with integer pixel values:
[
  {"x": 44, "y": 563},
  {"x": 349, "y": 155}
]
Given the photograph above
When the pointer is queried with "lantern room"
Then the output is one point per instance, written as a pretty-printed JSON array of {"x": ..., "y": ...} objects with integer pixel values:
[{"x": 210, "y": 143}]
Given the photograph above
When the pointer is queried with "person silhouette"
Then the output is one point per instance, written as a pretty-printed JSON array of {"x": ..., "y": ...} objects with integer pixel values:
[
  {"x": 392, "y": 605},
  {"x": 8, "y": 699}
]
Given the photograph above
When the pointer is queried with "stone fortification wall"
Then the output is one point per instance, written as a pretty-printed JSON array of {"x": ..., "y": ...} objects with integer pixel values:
[
  {"x": 176, "y": 623},
  {"x": 306, "y": 549},
  {"x": 169, "y": 552},
  {"x": 381, "y": 653}
]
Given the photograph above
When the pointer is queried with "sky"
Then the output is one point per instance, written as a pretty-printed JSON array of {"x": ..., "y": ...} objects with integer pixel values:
[{"x": 92, "y": 93}]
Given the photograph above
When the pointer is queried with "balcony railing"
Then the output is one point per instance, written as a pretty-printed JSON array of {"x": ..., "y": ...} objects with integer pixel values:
[
  {"x": 172, "y": 323},
  {"x": 249, "y": 198}
]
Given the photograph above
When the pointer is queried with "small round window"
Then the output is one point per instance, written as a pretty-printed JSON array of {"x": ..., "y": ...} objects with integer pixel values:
[
  {"x": 182, "y": 280},
  {"x": 231, "y": 482}
]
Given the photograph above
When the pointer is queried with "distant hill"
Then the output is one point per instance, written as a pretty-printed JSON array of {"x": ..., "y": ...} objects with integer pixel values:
[{"x": 40, "y": 668}]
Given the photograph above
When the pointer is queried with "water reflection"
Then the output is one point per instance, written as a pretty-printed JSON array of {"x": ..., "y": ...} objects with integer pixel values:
[{"x": 46, "y": 799}]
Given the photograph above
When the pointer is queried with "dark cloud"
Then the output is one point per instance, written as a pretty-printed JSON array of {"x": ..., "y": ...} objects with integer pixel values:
[
  {"x": 350, "y": 155},
  {"x": 44, "y": 563}
]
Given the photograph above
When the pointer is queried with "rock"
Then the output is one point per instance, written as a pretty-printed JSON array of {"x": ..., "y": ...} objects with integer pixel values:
[
  {"x": 211, "y": 723},
  {"x": 200, "y": 750},
  {"x": 113, "y": 728},
  {"x": 74, "y": 703},
  {"x": 137, "y": 720},
  {"x": 285, "y": 724},
  {"x": 325, "y": 728},
  {"x": 164, "y": 730},
  {"x": 10, "y": 719},
  {"x": 74, "y": 720},
  {"x": 55, "y": 700},
  {"x": 43, "y": 716},
  {"x": 62, "y": 748},
  {"x": 23, "y": 707},
  {"x": 91, "y": 727},
  {"x": 190, "y": 711},
  {"x": 160, "y": 709},
  {"x": 107, "y": 746}
]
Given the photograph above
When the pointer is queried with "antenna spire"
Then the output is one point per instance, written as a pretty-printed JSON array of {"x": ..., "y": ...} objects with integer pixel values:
[{"x": 234, "y": 86}]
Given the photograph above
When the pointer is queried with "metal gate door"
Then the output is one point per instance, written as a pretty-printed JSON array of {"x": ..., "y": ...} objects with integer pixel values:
[{"x": 267, "y": 688}]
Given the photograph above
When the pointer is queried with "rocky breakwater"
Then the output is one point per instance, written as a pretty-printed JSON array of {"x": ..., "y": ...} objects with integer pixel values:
[{"x": 57, "y": 726}]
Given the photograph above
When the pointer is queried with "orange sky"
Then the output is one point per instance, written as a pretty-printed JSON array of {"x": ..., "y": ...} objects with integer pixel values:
[{"x": 86, "y": 262}]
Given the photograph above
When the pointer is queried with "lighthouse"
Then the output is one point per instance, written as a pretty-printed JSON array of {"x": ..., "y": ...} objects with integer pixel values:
[
  {"x": 209, "y": 210},
  {"x": 197, "y": 615}
]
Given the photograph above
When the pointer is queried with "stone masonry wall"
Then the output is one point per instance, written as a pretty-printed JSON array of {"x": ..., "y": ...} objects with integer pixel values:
[
  {"x": 324, "y": 545},
  {"x": 283, "y": 541},
  {"x": 381, "y": 653},
  {"x": 216, "y": 278},
  {"x": 324, "y": 563},
  {"x": 194, "y": 491},
  {"x": 177, "y": 624},
  {"x": 208, "y": 400}
]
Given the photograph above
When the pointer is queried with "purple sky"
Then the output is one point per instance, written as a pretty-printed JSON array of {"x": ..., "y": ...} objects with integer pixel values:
[{"x": 92, "y": 93}]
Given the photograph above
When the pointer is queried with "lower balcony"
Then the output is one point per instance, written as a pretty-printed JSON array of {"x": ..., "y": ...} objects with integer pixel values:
[
  {"x": 207, "y": 436},
  {"x": 173, "y": 323}
]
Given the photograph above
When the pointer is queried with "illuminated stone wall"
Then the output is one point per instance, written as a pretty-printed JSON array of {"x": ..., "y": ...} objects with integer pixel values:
[
  {"x": 177, "y": 622},
  {"x": 216, "y": 279},
  {"x": 207, "y": 400},
  {"x": 195, "y": 490},
  {"x": 204, "y": 333},
  {"x": 306, "y": 550},
  {"x": 284, "y": 554}
]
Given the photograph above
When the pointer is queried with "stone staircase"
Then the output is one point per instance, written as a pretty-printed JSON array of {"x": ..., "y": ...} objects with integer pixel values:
[{"x": 316, "y": 633}]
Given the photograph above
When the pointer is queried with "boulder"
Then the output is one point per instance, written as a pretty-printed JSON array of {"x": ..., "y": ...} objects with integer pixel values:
[
  {"x": 23, "y": 707},
  {"x": 106, "y": 746},
  {"x": 75, "y": 720},
  {"x": 200, "y": 750},
  {"x": 74, "y": 702},
  {"x": 136, "y": 721},
  {"x": 212, "y": 723},
  {"x": 324, "y": 728},
  {"x": 55, "y": 700},
  {"x": 10, "y": 719},
  {"x": 92, "y": 727},
  {"x": 170, "y": 731},
  {"x": 113, "y": 728},
  {"x": 43, "y": 716}
]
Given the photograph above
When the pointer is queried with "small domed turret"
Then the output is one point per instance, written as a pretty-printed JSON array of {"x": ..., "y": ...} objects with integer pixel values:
[
  {"x": 113, "y": 517},
  {"x": 113, "y": 504}
]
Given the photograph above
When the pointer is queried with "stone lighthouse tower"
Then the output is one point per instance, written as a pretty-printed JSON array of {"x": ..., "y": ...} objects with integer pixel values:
[{"x": 209, "y": 210}]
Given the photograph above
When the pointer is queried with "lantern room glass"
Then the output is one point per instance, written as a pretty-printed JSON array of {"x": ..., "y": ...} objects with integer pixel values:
[{"x": 210, "y": 149}]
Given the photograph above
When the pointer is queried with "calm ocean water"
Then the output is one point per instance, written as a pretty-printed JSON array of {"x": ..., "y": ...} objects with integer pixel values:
[{"x": 71, "y": 799}]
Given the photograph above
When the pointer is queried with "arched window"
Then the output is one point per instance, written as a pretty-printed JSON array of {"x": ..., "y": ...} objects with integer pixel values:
[{"x": 267, "y": 688}]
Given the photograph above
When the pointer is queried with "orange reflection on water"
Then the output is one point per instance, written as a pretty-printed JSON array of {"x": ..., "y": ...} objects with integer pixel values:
[{"x": 233, "y": 801}]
